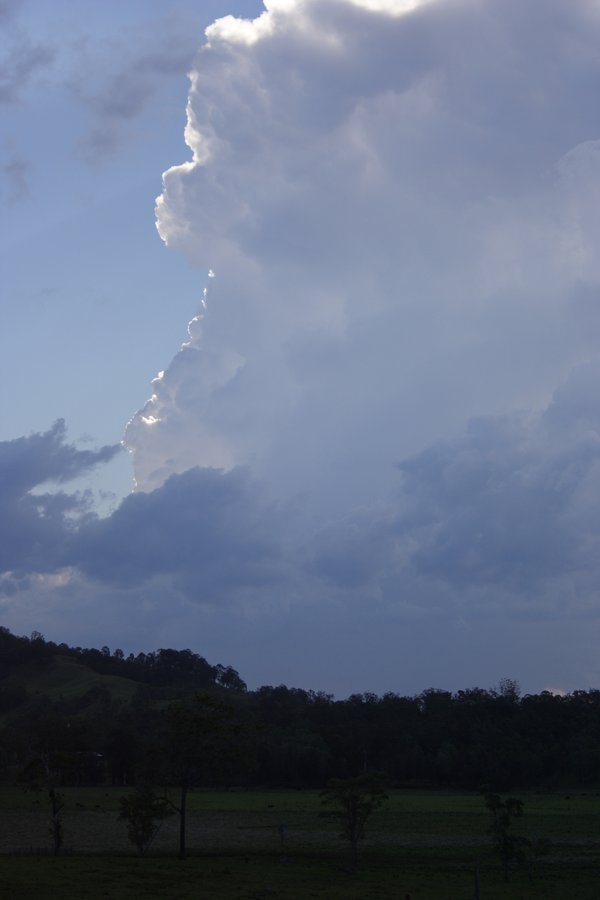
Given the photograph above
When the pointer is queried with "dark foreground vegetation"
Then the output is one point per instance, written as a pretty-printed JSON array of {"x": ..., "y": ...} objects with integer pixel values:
[{"x": 161, "y": 775}]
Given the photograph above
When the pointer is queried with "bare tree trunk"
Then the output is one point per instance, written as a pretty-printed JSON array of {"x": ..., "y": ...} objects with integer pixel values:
[
  {"x": 56, "y": 826},
  {"x": 182, "y": 822}
]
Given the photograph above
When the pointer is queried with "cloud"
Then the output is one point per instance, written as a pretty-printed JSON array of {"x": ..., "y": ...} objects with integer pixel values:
[
  {"x": 207, "y": 536},
  {"x": 21, "y": 60},
  {"x": 16, "y": 170},
  {"x": 505, "y": 507},
  {"x": 390, "y": 240},
  {"x": 405, "y": 270},
  {"x": 501, "y": 517},
  {"x": 36, "y": 526},
  {"x": 497, "y": 525},
  {"x": 508, "y": 507},
  {"x": 386, "y": 411},
  {"x": 213, "y": 534},
  {"x": 8, "y": 9},
  {"x": 127, "y": 74},
  {"x": 27, "y": 462}
]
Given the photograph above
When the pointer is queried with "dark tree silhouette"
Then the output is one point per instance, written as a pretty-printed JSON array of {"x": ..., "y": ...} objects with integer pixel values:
[
  {"x": 199, "y": 739},
  {"x": 144, "y": 812},
  {"x": 352, "y": 801},
  {"x": 510, "y": 846}
]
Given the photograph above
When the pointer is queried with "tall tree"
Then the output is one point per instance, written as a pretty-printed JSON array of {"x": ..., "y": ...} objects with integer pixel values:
[{"x": 199, "y": 741}]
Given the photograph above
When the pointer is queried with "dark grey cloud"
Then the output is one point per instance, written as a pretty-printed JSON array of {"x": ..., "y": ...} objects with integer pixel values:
[
  {"x": 36, "y": 526},
  {"x": 506, "y": 508},
  {"x": 213, "y": 533},
  {"x": 27, "y": 462},
  {"x": 497, "y": 524},
  {"x": 35, "y": 532},
  {"x": 493, "y": 509}
]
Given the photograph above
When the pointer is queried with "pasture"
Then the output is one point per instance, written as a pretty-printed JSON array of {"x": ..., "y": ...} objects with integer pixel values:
[{"x": 424, "y": 844}]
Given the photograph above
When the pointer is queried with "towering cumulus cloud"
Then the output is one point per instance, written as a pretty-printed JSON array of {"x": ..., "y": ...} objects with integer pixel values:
[
  {"x": 387, "y": 409},
  {"x": 399, "y": 204}
]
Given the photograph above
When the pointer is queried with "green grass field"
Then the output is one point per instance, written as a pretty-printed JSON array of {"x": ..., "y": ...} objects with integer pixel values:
[{"x": 422, "y": 844}]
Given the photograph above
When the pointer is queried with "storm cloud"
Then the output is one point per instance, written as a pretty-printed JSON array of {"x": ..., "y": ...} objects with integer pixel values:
[
  {"x": 386, "y": 410},
  {"x": 506, "y": 510},
  {"x": 400, "y": 211},
  {"x": 212, "y": 533}
]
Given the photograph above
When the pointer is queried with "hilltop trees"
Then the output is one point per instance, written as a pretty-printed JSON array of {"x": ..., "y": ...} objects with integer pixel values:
[{"x": 108, "y": 711}]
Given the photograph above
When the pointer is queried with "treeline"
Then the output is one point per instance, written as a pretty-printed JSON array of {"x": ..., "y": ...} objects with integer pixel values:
[
  {"x": 479, "y": 739},
  {"x": 491, "y": 739},
  {"x": 181, "y": 668}
]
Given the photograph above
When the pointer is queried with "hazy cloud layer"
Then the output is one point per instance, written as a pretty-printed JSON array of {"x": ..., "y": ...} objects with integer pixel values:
[
  {"x": 126, "y": 74},
  {"x": 21, "y": 58},
  {"x": 16, "y": 171}
]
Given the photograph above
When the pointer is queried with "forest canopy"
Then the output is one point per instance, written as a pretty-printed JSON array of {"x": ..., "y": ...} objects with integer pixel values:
[{"x": 107, "y": 715}]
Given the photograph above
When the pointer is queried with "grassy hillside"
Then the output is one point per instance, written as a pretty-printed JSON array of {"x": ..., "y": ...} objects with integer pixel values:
[{"x": 61, "y": 677}]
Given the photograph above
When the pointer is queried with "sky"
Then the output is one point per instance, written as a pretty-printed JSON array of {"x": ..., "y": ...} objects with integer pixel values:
[{"x": 301, "y": 336}]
